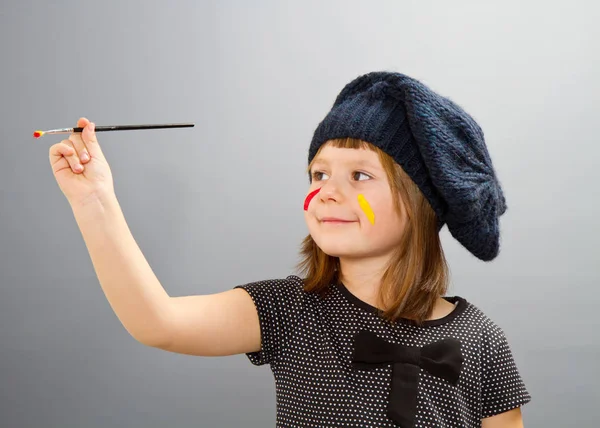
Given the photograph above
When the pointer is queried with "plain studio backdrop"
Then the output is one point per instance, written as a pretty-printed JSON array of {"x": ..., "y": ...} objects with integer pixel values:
[{"x": 221, "y": 204}]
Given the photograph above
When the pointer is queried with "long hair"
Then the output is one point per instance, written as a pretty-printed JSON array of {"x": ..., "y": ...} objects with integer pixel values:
[{"x": 417, "y": 274}]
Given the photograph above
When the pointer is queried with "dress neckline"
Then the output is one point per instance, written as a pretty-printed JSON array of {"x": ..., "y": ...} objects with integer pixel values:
[{"x": 459, "y": 302}]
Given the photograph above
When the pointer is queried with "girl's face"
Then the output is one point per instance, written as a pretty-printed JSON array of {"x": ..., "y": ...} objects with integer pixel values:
[{"x": 353, "y": 214}]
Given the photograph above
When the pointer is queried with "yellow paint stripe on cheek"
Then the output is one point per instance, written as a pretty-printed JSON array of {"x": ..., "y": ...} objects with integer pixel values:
[{"x": 366, "y": 208}]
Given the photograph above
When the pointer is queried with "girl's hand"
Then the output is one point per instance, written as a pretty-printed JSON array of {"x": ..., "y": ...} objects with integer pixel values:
[{"x": 80, "y": 167}]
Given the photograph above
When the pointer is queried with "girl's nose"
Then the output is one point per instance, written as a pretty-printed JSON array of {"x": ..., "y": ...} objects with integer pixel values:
[{"x": 331, "y": 190}]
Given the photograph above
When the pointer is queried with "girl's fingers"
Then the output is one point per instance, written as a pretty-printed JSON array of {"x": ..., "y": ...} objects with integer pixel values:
[
  {"x": 88, "y": 135},
  {"x": 63, "y": 155},
  {"x": 85, "y": 141},
  {"x": 78, "y": 143}
]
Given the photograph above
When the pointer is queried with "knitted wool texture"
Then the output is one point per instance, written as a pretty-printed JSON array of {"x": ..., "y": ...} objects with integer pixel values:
[{"x": 438, "y": 144}]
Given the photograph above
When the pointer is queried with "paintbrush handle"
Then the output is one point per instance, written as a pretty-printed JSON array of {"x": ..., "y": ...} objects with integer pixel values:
[{"x": 133, "y": 127}]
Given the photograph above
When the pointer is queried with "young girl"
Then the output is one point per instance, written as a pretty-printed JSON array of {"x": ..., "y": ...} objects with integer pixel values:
[{"x": 366, "y": 337}]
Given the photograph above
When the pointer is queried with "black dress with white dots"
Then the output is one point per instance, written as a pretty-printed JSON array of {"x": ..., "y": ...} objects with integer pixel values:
[{"x": 311, "y": 342}]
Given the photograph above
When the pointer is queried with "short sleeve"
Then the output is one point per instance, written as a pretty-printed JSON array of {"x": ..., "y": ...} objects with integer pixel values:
[
  {"x": 503, "y": 388},
  {"x": 279, "y": 304}
]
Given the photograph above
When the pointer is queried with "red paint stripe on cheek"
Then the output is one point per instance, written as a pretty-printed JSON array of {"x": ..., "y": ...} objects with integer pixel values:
[{"x": 309, "y": 197}]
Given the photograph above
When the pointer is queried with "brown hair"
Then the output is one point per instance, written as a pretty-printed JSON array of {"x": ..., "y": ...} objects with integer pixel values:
[{"x": 417, "y": 274}]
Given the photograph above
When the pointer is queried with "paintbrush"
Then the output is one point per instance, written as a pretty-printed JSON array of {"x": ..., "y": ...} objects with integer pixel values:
[{"x": 38, "y": 134}]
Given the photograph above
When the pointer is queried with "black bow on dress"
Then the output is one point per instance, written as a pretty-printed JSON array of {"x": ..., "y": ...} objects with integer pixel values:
[{"x": 442, "y": 358}]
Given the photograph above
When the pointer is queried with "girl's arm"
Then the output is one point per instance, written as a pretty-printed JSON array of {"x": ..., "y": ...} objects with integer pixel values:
[
  {"x": 510, "y": 419},
  {"x": 219, "y": 324}
]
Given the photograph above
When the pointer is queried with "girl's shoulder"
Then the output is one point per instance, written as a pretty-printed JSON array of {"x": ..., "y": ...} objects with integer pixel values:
[
  {"x": 502, "y": 387},
  {"x": 489, "y": 332}
]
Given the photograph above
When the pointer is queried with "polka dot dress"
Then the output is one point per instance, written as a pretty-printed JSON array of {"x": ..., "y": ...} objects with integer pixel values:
[{"x": 308, "y": 343}]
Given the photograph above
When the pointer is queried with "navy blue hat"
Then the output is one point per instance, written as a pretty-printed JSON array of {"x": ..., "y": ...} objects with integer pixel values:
[{"x": 438, "y": 144}]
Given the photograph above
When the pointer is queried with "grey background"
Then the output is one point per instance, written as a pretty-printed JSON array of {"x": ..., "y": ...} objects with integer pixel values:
[{"x": 220, "y": 204}]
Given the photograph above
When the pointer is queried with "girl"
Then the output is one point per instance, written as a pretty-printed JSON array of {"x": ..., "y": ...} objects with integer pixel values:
[{"x": 366, "y": 336}]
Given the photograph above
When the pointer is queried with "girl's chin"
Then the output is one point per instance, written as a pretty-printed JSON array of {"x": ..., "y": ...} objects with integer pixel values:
[{"x": 342, "y": 251}]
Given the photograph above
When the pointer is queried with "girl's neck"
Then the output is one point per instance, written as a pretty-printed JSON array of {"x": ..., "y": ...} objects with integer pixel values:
[{"x": 363, "y": 278}]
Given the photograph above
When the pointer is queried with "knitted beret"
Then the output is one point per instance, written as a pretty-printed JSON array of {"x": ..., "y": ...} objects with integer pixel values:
[{"x": 438, "y": 145}]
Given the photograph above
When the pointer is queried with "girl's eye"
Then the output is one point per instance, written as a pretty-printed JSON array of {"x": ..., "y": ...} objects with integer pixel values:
[
  {"x": 318, "y": 175},
  {"x": 357, "y": 174}
]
